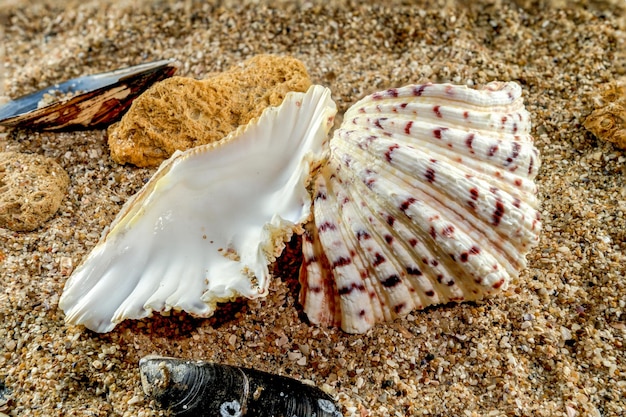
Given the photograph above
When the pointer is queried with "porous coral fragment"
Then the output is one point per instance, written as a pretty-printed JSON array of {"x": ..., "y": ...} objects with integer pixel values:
[
  {"x": 31, "y": 190},
  {"x": 180, "y": 113}
]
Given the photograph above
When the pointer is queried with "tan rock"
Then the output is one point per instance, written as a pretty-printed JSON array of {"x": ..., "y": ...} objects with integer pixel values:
[
  {"x": 180, "y": 113},
  {"x": 31, "y": 190},
  {"x": 608, "y": 121}
]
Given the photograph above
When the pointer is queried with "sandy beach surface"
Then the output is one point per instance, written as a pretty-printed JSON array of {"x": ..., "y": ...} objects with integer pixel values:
[{"x": 552, "y": 345}]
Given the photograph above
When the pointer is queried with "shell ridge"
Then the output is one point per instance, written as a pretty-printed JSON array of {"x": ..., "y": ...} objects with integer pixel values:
[
  {"x": 386, "y": 214},
  {"x": 157, "y": 294},
  {"x": 464, "y": 215},
  {"x": 508, "y": 156},
  {"x": 133, "y": 309},
  {"x": 424, "y": 109},
  {"x": 407, "y": 293},
  {"x": 318, "y": 284},
  {"x": 246, "y": 392},
  {"x": 518, "y": 186},
  {"x": 411, "y": 209},
  {"x": 81, "y": 311},
  {"x": 354, "y": 293},
  {"x": 404, "y": 160},
  {"x": 483, "y": 237},
  {"x": 382, "y": 287},
  {"x": 436, "y": 278},
  {"x": 317, "y": 288},
  {"x": 487, "y": 121},
  {"x": 192, "y": 388},
  {"x": 384, "y": 273},
  {"x": 436, "y": 271},
  {"x": 444, "y": 241},
  {"x": 492, "y": 94},
  {"x": 468, "y": 248}
]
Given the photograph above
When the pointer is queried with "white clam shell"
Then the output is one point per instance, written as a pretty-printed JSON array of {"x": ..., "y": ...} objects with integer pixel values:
[
  {"x": 208, "y": 223},
  {"x": 427, "y": 197}
]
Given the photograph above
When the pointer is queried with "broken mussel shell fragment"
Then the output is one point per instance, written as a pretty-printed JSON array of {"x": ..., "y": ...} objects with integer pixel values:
[
  {"x": 86, "y": 102},
  {"x": 198, "y": 388}
]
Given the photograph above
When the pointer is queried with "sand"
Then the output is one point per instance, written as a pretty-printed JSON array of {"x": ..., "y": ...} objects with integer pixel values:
[{"x": 552, "y": 345}]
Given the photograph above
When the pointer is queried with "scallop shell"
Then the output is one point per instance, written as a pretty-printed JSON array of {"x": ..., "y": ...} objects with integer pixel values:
[
  {"x": 205, "y": 227},
  {"x": 90, "y": 101},
  {"x": 199, "y": 389},
  {"x": 427, "y": 197}
]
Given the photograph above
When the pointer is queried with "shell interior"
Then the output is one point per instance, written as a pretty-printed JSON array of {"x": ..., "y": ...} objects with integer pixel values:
[{"x": 205, "y": 227}]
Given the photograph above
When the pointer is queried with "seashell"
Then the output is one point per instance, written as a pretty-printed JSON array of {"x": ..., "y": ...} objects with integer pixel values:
[
  {"x": 427, "y": 197},
  {"x": 196, "y": 388},
  {"x": 205, "y": 227},
  {"x": 85, "y": 102}
]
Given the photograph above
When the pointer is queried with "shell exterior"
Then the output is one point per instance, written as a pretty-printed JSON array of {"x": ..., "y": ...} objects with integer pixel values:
[
  {"x": 205, "y": 227},
  {"x": 427, "y": 197},
  {"x": 97, "y": 100},
  {"x": 200, "y": 389}
]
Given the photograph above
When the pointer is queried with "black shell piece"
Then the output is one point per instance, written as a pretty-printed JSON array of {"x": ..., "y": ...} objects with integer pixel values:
[
  {"x": 5, "y": 394},
  {"x": 197, "y": 388},
  {"x": 103, "y": 98}
]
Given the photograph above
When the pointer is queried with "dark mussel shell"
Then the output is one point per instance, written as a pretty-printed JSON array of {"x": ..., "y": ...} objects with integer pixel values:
[
  {"x": 197, "y": 388},
  {"x": 5, "y": 395},
  {"x": 100, "y": 99}
]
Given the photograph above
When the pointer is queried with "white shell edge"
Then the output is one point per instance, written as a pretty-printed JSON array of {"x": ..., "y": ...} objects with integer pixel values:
[{"x": 205, "y": 227}]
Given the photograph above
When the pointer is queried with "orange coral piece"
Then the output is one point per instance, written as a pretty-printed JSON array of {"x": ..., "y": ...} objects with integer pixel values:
[{"x": 181, "y": 113}]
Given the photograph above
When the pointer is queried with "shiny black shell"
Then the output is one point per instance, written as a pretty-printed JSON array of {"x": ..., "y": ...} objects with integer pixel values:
[
  {"x": 103, "y": 99},
  {"x": 196, "y": 388}
]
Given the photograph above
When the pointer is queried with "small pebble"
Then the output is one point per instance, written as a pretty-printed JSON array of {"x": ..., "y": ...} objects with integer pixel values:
[{"x": 10, "y": 345}]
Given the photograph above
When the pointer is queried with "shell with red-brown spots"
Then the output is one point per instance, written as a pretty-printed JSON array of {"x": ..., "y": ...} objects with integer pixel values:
[{"x": 427, "y": 197}]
